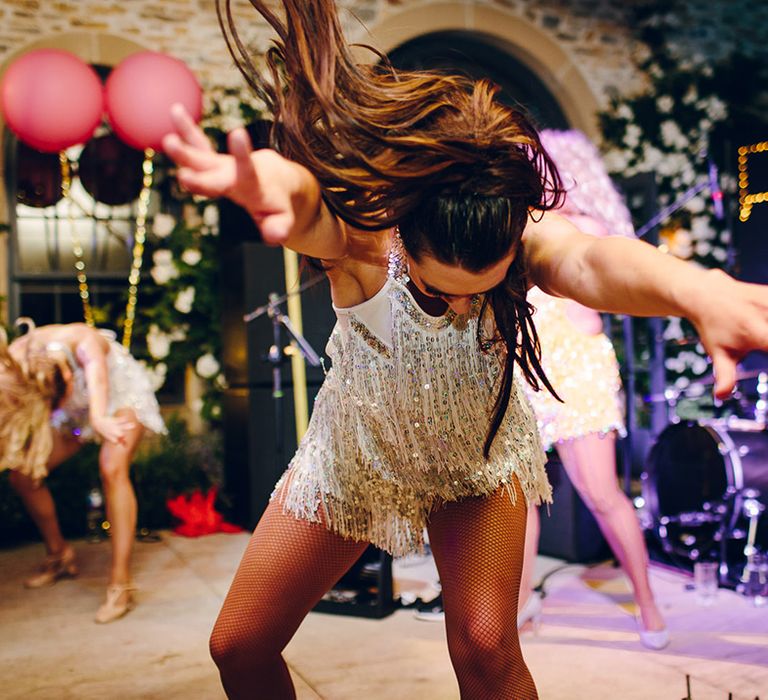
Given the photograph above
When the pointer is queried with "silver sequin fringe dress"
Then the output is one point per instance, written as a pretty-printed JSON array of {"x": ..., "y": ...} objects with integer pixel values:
[
  {"x": 399, "y": 424},
  {"x": 129, "y": 387}
]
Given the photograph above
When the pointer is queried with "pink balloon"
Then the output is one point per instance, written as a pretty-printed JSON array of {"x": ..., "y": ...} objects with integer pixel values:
[
  {"x": 140, "y": 92},
  {"x": 51, "y": 99}
]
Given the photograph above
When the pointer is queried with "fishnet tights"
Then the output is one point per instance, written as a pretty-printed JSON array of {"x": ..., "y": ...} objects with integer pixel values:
[
  {"x": 289, "y": 564},
  {"x": 478, "y": 546},
  {"x": 287, "y": 567}
]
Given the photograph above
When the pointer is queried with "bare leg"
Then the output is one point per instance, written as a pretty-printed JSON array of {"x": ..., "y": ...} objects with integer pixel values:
[
  {"x": 478, "y": 548},
  {"x": 288, "y": 566},
  {"x": 590, "y": 462},
  {"x": 37, "y": 497},
  {"x": 114, "y": 467}
]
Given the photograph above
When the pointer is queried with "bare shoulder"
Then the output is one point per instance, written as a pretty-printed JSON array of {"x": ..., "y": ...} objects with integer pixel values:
[{"x": 362, "y": 272}]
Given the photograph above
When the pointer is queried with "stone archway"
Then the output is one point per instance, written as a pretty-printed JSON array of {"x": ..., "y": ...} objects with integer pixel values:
[{"x": 522, "y": 39}]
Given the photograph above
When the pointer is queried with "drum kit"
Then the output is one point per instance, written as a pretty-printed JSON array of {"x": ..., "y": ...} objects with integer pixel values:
[{"x": 705, "y": 486}]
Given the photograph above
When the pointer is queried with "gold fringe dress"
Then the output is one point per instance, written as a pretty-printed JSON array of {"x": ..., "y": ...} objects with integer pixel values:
[
  {"x": 583, "y": 370},
  {"x": 399, "y": 424}
]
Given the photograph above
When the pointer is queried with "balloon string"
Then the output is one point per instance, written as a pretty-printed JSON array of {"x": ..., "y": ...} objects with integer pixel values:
[
  {"x": 138, "y": 247},
  {"x": 77, "y": 248}
]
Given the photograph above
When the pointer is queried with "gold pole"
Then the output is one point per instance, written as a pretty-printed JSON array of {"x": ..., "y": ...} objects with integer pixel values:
[{"x": 298, "y": 369}]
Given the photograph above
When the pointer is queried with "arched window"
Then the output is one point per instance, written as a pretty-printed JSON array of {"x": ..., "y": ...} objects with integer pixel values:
[{"x": 479, "y": 55}]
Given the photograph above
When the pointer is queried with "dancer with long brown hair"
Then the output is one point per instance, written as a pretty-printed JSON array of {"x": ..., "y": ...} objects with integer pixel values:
[
  {"x": 60, "y": 387},
  {"x": 430, "y": 204},
  {"x": 580, "y": 361}
]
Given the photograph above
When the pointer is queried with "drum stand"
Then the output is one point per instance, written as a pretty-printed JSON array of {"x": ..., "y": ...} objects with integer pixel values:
[{"x": 754, "y": 577}]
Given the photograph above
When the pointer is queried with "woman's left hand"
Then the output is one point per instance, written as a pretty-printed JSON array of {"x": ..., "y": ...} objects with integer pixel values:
[
  {"x": 113, "y": 429},
  {"x": 732, "y": 320}
]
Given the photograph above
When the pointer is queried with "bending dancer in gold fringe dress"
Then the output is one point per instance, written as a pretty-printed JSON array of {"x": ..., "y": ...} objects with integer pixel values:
[
  {"x": 580, "y": 362},
  {"x": 61, "y": 386},
  {"x": 430, "y": 203}
]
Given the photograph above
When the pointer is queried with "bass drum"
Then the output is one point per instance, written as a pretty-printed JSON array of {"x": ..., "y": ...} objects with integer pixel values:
[{"x": 694, "y": 480}]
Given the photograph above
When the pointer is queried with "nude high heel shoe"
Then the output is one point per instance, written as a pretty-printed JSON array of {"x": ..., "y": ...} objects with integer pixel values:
[
  {"x": 55, "y": 567},
  {"x": 119, "y": 602},
  {"x": 530, "y": 611}
]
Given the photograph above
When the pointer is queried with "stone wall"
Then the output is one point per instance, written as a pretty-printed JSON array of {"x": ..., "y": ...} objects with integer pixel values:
[{"x": 595, "y": 32}]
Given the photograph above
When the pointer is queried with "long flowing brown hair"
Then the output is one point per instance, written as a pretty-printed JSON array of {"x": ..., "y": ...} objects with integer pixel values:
[{"x": 437, "y": 155}]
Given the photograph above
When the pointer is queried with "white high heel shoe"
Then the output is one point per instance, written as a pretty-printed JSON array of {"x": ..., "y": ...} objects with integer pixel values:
[
  {"x": 530, "y": 611},
  {"x": 656, "y": 640}
]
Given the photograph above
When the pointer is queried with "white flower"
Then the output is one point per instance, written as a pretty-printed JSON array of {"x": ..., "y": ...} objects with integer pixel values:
[
  {"x": 665, "y": 104},
  {"x": 674, "y": 364},
  {"x": 616, "y": 161},
  {"x": 652, "y": 156},
  {"x": 701, "y": 230},
  {"x": 699, "y": 365},
  {"x": 207, "y": 366},
  {"x": 216, "y": 411},
  {"x": 682, "y": 383},
  {"x": 197, "y": 406},
  {"x": 184, "y": 300},
  {"x": 703, "y": 248},
  {"x": 221, "y": 381},
  {"x": 695, "y": 205},
  {"x": 211, "y": 215},
  {"x": 164, "y": 269},
  {"x": 191, "y": 256},
  {"x": 672, "y": 136},
  {"x": 156, "y": 374},
  {"x": 717, "y": 110},
  {"x": 163, "y": 224},
  {"x": 624, "y": 111},
  {"x": 719, "y": 254},
  {"x": 158, "y": 343},
  {"x": 632, "y": 135},
  {"x": 673, "y": 331}
]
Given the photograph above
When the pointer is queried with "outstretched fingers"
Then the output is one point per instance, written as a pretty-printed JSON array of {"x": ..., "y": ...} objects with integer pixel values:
[
  {"x": 188, "y": 130},
  {"x": 724, "y": 368}
]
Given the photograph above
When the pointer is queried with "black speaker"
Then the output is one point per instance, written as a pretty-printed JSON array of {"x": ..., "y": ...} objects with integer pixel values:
[
  {"x": 365, "y": 590},
  {"x": 259, "y": 426},
  {"x": 569, "y": 531}
]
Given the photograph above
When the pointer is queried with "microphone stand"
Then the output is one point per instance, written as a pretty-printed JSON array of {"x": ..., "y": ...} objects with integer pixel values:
[{"x": 276, "y": 355}]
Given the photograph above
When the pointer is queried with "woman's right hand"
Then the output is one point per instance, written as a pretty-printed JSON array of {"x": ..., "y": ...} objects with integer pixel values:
[
  {"x": 262, "y": 182},
  {"x": 113, "y": 428}
]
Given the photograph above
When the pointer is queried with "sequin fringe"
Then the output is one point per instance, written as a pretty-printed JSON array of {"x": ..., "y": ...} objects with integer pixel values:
[{"x": 398, "y": 431}]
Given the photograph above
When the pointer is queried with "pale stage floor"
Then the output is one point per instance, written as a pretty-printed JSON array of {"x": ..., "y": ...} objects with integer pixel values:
[{"x": 586, "y": 647}]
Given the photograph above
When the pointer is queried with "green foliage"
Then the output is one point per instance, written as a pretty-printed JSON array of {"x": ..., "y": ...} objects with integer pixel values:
[
  {"x": 177, "y": 463},
  {"x": 692, "y": 112}
]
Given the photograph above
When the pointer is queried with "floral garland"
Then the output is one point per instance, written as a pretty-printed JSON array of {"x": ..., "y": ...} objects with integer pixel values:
[
  {"x": 673, "y": 129},
  {"x": 178, "y": 319}
]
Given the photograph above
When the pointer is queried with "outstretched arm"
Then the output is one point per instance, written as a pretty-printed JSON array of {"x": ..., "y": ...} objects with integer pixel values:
[
  {"x": 619, "y": 275},
  {"x": 92, "y": 355},
  {"x": 282, "y": 197}
]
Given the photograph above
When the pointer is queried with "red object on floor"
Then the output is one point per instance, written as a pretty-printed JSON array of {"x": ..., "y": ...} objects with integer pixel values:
[{"x": 198, "y": 515}]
